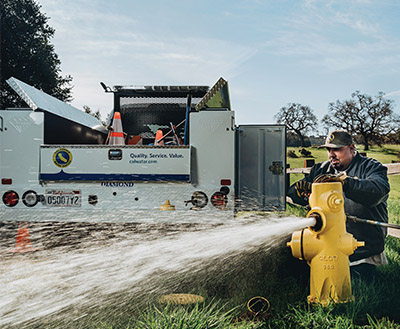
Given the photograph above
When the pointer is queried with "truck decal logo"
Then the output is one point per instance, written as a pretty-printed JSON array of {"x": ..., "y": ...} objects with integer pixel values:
[
  {"x": 117, "y": 184},
  {"x": 62, "y": 157},
  {"x": 152, "y": 158}
]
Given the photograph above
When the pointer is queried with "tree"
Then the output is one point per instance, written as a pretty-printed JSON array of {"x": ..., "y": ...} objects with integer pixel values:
[
  {"x": 96, "y": 114},
  {"x": 27, "y": 54},
  {"x": 363, "y": 116},
  {"x": 298, "y": 118}
]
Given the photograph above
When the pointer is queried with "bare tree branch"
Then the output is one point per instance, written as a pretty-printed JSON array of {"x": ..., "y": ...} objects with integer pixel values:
[
  {"x": 298, "y": 118},
  {"x": 370, "y": 118}
]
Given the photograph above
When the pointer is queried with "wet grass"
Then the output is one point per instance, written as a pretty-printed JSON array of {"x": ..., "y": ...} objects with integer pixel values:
[
  {"x": 376, "y": 305},
  {"x": 198, "y": 316}
]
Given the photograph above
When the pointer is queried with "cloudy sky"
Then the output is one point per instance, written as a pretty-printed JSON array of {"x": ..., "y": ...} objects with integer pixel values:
[{"x": 271, "y": 52}]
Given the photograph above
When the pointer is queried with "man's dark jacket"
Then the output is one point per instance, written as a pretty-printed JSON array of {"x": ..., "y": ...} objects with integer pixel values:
[{"x": 366, "y": 191}]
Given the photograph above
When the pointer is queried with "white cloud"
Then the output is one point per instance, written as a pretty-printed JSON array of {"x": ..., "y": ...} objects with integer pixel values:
[
  {"x": 330, "y": 15},
  {"x": 312, "y": 37},
  {"x": 397, "y": 92},
  {"x": 98, "y": 40},
  {"x": 358, "y": 23},
  {"x": 98, "y": 46}
]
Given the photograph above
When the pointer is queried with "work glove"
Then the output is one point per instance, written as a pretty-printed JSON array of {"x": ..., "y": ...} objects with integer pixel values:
[
  {"x": 303, "y": 188},
  {"x": 325, "y": 178}
]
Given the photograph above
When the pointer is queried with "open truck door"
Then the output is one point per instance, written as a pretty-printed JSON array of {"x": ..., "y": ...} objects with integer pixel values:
[{"x": 260, "y": 167}]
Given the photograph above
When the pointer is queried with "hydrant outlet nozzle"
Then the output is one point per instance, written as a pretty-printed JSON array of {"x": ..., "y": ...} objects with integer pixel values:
[{"x": 320, "y": 221}]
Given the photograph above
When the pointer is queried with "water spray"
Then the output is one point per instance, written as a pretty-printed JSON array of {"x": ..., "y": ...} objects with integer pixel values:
[{"x": 326, "y": 246}]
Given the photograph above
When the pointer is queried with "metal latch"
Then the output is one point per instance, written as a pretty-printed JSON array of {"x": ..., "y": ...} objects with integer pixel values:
[
  {"x": 276, "y": 168},
  {"x": 114, "y": 154}
]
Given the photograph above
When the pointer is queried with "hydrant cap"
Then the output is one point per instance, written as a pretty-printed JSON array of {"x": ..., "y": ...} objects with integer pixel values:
[{"x": 335, "y": 202}]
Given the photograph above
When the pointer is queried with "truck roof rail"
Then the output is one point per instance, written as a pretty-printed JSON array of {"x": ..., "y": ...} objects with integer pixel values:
[{"x": 160, "y": 91}]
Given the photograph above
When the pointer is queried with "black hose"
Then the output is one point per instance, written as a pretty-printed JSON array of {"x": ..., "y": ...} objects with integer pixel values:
[
  {"x": 373, "y": 222},
  {"x": 360, "y": 220}
]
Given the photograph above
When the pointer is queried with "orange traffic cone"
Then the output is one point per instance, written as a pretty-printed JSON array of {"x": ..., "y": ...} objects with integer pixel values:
[
  {"x": 23, "y": 243},
  {"x": 159, "y": 135},
  {"x": 117, "y": 134}
]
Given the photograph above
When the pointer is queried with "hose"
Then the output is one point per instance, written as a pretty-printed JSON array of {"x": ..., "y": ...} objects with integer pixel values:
[
  {"x": 373, "y": 222},
  {"x": 359, "y": 220}
]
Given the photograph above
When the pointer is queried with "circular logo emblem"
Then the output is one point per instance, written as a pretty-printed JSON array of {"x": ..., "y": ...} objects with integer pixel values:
[
  {"x": 331, "y": 138},
  {"x": 62, "y": 158}
]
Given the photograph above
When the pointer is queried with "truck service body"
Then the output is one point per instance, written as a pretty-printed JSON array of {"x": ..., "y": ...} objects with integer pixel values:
[{"x": 56, "y": 165}]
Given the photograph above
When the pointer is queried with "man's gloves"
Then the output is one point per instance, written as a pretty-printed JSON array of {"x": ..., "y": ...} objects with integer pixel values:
[
  {"x": 303, "y": 188},
  {"x": 324, "y": 178}
]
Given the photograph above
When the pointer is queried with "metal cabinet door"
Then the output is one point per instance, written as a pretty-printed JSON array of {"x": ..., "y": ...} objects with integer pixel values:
[
  {"x": 21, "y": 134},
  {"x": 260, "y": 167}
]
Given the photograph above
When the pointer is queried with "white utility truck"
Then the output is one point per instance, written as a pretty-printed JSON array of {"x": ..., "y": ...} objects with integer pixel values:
[{"x": 56, "y": 163}]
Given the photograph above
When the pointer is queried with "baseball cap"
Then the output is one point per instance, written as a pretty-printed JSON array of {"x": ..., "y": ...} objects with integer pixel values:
[{"x": 337, "y": 139}]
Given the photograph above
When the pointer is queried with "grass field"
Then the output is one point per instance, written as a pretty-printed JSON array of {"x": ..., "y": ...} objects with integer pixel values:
[{"x": 376, "y": 305}]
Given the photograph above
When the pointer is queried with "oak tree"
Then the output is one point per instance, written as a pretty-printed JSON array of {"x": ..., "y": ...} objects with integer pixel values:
[
  {"x": 298, "y": 118},
  {"x": 368, "y": 118}
]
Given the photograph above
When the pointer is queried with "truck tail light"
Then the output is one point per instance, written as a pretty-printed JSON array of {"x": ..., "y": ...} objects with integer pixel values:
[
  {"x": 10, "y": 198},
  {"x": 30, "y": 198},
  {"x": 219, "y": 200},
  {"x": 6, "y": 181},
  {"x": 226, "y": 182}
]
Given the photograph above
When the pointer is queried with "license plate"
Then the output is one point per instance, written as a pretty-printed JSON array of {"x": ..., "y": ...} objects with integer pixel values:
[{"x": 63, "y": 198}]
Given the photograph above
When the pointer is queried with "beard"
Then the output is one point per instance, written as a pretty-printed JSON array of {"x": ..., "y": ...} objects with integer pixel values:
[{"x": 337, "y": 165}]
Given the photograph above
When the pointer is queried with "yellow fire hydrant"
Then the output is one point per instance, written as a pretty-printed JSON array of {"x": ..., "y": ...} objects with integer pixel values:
[{"x": 326, "y": 246}]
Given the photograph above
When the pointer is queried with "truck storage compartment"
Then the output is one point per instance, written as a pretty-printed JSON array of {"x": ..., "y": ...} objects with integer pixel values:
[
  {"x": 63, "y": 123},
  {"x": 141, "y": 117},
  {"x": 144, "y": 110}
]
